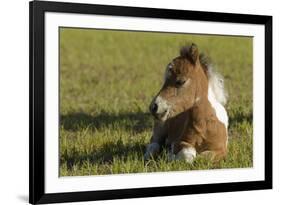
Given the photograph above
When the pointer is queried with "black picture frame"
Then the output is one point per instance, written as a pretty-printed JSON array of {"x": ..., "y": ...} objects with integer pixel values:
[{"x": 37, "y": 10}]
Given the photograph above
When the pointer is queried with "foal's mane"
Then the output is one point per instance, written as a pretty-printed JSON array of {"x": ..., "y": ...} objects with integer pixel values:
[{"x": 205, "y": 62}]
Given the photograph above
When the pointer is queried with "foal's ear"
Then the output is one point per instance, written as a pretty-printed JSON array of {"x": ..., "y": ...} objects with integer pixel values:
[
  {"x": 190, "y": 52},
  {"x": 193, "y": 53}
]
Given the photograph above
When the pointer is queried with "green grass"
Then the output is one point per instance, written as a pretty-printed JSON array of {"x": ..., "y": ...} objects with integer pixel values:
[{"x": 107, "y": 80}]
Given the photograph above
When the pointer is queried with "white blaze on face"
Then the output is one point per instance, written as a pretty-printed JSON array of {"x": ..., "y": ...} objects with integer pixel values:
[{"x": 162, "y": 105}]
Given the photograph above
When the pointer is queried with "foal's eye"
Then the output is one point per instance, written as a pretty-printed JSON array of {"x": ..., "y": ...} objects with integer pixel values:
[{"x": 179, "y": 83}]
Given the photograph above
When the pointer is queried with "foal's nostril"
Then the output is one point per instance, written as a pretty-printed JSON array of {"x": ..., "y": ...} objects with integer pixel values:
[{"x": 154, "y": 108}]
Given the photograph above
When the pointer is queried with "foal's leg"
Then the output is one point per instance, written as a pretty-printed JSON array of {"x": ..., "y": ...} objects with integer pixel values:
[
  {"x": 216, "y": 142},
  {"x": 184, "y": 148},
  {"x": 184, "y": 151},
  {"x": 157, "y": 140}
]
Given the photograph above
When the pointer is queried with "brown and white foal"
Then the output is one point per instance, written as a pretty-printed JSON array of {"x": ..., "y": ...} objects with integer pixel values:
[{"x": 189, "y": 112}]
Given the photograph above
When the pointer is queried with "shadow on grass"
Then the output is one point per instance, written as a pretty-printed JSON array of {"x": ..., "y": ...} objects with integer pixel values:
[
  {"x": 104, "y": 154},
  {"x": 137, "y": 122}
]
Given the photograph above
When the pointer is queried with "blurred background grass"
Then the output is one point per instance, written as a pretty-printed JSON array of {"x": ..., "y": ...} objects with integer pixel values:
[{"x": 107, "y": 80}]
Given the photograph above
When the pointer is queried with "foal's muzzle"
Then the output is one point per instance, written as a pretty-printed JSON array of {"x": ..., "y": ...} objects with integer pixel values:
[{"x": 159, "y": 108}]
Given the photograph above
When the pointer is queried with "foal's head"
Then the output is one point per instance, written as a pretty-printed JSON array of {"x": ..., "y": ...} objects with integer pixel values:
[{"x": 184, "y": 78}]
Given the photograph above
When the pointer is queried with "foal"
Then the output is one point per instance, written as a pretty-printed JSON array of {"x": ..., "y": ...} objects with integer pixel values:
[{"x": 190, "y": 118}]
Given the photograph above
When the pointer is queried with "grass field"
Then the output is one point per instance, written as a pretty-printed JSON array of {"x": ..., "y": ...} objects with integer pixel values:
[{"x": 107, "y": 80}]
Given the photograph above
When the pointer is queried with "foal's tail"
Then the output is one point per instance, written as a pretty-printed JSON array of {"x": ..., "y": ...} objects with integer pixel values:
[{"x": 216, "y": 83}]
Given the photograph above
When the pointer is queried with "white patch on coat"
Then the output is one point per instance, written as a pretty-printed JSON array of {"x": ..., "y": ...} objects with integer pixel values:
[
  {"x": 216, "y": 82},
  {"x": 218, "y": 107},
  {"x": 151, "y": 150},
  {"x": 217, "y": 95},
  {"x": 187, "y": 154}
]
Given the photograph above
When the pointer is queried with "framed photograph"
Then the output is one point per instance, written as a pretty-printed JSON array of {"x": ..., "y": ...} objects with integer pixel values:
[{"x": 130, "y": 102}]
